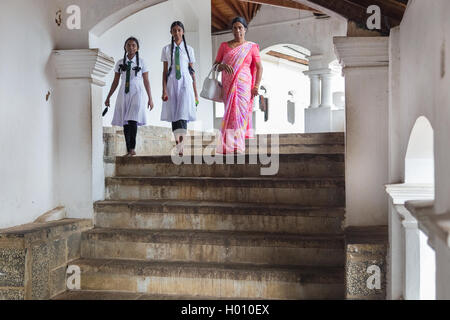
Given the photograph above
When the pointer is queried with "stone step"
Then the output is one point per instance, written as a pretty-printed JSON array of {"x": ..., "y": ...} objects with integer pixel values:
[
  {"x": 83, "y": 295},
  {"x": 216, "y": 216},
  {"x": 293, "y": 148},
  {"x": 210, "y": 279},
  {"x": 288, "y": 165},
  {"x": 300, "y": 191},
  {"x": 333, "y": 138},
  {"x": 214, "y": 246}
]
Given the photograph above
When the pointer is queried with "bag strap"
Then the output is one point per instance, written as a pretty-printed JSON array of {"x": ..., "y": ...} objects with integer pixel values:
[{"x": 213, "y": 71}]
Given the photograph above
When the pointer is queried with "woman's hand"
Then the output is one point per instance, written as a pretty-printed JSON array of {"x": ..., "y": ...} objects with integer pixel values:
[
  {"x": 165, "y": 96},
  {"x": 225, "y": 67},
  {"x": 255, "y": 92},
  {"x": 107, "y": 103},
  {"x": 150, "y": 104}
]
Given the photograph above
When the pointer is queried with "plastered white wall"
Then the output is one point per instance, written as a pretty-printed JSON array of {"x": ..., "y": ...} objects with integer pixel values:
[
  {"x": 424, "y": 83},
  {"x": 280, "y": 78},
  {"x": 423, "y": 90},
  {"x": 102, "y": 14},
  {"x": 28, "y": 145}
]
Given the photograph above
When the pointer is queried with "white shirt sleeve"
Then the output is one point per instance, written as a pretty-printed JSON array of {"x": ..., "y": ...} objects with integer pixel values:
[
  {"x": 164, "y": 54},
  {"x": 116, "y": 68},
  {"x": 192, "y": 54},
  {"x": 143, "y": 66}
]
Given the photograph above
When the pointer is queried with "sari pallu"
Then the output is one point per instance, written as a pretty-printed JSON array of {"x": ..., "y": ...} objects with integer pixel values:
[{"x": 237, "y": 120}]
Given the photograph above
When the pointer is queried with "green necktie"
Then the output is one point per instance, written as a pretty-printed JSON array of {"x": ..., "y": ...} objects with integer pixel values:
[
  {"x": 127, "y": 83},
  {"x": 177, "y": 63}
]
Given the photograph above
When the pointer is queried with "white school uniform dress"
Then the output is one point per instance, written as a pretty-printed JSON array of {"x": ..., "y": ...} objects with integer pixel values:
[
  {"x": 181, "y": 103},
  {"x": 133, "y": 105}
]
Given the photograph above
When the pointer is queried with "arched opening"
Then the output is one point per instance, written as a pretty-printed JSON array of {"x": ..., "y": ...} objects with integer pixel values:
[
  {"x": 116, "y": 17},
  {"x": 419, "y": 160},
  {"x": 149, "y": 22},
  {"x": 419, "y": 170}
]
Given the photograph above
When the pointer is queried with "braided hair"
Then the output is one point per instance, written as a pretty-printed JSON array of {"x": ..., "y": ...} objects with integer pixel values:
[
  {"x": 178, "y": 24},
  {"x": 124, "y": 67}
]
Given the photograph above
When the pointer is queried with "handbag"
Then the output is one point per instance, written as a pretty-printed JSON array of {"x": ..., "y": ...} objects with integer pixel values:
[{"x": 212, "y": 87}]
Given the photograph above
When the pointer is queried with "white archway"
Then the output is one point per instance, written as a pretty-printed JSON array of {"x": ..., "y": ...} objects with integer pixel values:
[
  {"x": 419, "y": 160},
  {"x": 106, "y": 23}
]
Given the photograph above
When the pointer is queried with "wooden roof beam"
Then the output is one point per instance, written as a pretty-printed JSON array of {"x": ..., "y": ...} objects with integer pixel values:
[
  {"x": 390, "y": 9},
  {"x": 220, "y": 20},
  {"x": 237, "y": 8},
  {"x": 353, "y": 12},
  {"x": 288, "y": 57},
  {"x": 284, "y": 4}
]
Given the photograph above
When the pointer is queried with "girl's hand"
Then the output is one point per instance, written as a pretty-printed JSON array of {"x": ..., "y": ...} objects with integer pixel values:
[
  {"x": 255, "y": 92},
  {"x": 107, "y": 102},
  {"x": 165, "y": 97},
  {"x": 197, "y": 101},
  {"x": 225, "y": 67},
  {"x": 150, "y": 104}
]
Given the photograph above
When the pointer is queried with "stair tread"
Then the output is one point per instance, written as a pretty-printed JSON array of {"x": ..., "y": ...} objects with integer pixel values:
[
  {"x": 338, "y": 157},
  {"x": 255, "y": 238},
  {"x": 326, "y": 135},
  {"x": 232, "y": 181},
  {"x": 119, "y": 295},
  {"x": 220, "y": 182},
  {"x": 228, "y": 207},
  {"x": 233, "y": 271},
  {"x": 262, "y": 178}
]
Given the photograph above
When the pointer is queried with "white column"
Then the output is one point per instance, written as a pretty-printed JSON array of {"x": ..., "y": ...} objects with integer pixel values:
[
  {"x": 315, "y": 90},
  {"x": 317, "y": 117},
  {"x": 365, "y": 63},
  {"x": 412, "y": 257},
  {"x": 80, "y": 128},
  {"x": 327, "y": 95},
  {"x": 404, "y": 259}
]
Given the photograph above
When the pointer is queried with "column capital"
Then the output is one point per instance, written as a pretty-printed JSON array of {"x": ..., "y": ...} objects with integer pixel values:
[
  {"x": 89, "y": 64},
  {"x": 400, "y": 193},
  {"x": 318, "y": 72},
  {"x": 362, "y": 51}
]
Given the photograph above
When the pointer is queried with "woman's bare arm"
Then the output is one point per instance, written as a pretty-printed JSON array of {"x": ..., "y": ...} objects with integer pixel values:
[
  {"x": 194, "y": 82},
  {"x": 148, "y": 89},
  {"x": 259, "y": 73},
  {"x": 113, "y": 88},
  {"x": 164, "y": 79}
]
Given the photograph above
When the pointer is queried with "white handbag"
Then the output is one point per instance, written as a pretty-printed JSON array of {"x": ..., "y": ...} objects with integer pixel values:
[{"x": 212, "y": 87}]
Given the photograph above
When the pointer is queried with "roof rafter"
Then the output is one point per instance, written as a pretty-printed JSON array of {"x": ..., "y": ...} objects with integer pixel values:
[{"x": 284, "y": 4}]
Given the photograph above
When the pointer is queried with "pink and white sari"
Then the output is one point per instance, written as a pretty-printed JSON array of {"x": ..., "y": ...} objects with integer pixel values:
[{"x": 237, "y": 120}]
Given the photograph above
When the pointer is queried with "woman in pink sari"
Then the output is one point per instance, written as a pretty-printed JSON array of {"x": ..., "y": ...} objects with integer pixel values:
[{"x": 241, "y": 63}]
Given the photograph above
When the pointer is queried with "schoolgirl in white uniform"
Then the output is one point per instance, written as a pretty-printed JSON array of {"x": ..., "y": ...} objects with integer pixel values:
[
  {"x": 179, "y": 88},
  {"x": 134, "y": 94}
]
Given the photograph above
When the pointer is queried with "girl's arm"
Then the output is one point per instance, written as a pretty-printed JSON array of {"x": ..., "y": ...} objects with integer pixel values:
[
  {"x": 164, "y": 79},
  {"x": 149, "y": 91},
  {"x": 259, "y": 73},
  {"x": 194, "y": 83},
  {"x": 113, "y": 88}
]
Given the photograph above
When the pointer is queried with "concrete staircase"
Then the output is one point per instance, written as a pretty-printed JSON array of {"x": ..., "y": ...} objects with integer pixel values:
[{"x": 221, "y": 231}]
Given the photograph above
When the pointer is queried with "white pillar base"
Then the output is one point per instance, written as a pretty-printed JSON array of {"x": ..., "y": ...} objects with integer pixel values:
[
  {"x": 318, "y": 120},
  {"x": 338, "y": 120}
]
